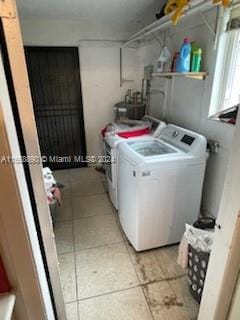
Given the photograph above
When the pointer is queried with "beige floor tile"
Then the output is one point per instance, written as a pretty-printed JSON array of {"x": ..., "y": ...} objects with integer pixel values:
[
  {"x": 167, "y": 258},
  {"x": 104, "y": 270},
  {"x": 66, "y": 193},
  {"x": 146, "y": 265},
  {"x": 180, "y": 287},
  {"x": 84, "y": 174},
  {"x": 72, "y": 311},
  {"x": 125, "y": 305},
  {"x": 116, "y": 215},
  {"x": 96, "y": 231},
  {"x": 63, "y": 177},
  {"x": 87, "y": 188},
  {"x": 91, "y": 206},
  {"x": 103, "y": 177},
  {"x": 164, "y": 303},
  {"x": 64, "y": 213},
  {"x": 105, "y": 185},
  {"x": 68, "y": 276},
  {"x": 64, "y": 237}
]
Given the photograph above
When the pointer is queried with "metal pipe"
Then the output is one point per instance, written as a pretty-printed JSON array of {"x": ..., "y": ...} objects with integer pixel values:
[{"x": 121, "y": 69}]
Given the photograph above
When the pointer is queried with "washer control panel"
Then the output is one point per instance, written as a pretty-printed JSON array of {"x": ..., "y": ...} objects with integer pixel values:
[
  {"x": 175, "y": 133},
  {"x": 183, "y": 139}
]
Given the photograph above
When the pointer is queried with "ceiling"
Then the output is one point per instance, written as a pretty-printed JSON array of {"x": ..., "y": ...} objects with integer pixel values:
[{"x": 101, "y": 11}]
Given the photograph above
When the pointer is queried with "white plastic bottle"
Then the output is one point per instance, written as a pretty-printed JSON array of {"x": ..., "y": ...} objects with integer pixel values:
[{"x": 163, "y": 59}]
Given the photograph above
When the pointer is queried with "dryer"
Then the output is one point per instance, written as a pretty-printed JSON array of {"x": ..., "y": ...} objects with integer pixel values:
[
  {"x": 160, "y": 186},
  {"x": 117, "y": 135}
]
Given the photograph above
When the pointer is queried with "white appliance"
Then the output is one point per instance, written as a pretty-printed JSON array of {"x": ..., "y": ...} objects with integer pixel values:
[
  {"x": 111, "y": 140},
  {"x": 160, "y": 186}
]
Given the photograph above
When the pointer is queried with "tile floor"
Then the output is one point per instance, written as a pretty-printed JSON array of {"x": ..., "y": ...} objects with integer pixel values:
[{"x": 103, "y": 278}]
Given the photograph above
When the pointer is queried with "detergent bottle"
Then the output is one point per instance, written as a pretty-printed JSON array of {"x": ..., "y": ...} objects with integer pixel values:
[
  {"x": 196, "y": 60},
  {"x": 184, "y": 60},
  {"x": 163, "y": 60}
]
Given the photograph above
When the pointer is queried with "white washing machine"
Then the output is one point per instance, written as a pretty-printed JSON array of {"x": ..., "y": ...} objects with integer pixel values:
[
  {"x": 160, "y": 186},
  {"x": 112, "y": 139}
]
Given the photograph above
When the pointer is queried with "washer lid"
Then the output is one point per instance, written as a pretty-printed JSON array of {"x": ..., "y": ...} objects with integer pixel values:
[{"x": 151, "y": 148}]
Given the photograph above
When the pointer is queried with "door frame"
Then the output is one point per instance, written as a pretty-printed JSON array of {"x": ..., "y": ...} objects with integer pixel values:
[
  {"x": 80, "y": 96},
  {"x": 27, "y": 128},
  {"x": 19, "y": 244}
]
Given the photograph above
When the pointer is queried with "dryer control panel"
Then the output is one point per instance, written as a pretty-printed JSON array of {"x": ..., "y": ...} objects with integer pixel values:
[
  {"x": 185, "y": 140},
  {"x": 156, "y": 124}
]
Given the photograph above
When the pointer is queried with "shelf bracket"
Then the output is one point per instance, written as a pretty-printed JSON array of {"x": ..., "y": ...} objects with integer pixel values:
[
  {"x": 121, "y": 67},
  {"x": 210, "y": 28},
  {"x": 158, "y": 40}
]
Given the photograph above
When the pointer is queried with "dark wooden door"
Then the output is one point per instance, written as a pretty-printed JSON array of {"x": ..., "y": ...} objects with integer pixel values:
[{"x": 54, "y": 77}]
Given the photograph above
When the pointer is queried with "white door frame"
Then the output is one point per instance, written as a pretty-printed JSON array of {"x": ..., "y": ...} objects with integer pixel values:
[
  {"x": 225, "y": 257},
  {"x": 15, "y": 51},
  {"x": 18, "y": 236}
]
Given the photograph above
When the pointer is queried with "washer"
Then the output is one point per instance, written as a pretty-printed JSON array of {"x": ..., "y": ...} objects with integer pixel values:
[
  {"x": 112, "y": 139},
  {"x": 160, "y": 186}
]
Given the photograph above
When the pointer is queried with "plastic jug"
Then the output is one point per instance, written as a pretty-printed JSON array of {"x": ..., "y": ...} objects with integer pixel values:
[
  {"x": 196, "y": 60},
  {"x": 163, "y": 59},
  {"x": 184, "y": 59}
]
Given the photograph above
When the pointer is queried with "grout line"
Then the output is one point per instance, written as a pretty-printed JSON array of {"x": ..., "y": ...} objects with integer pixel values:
[
  {"x": 74, "y": 249},
  {"x": 125, "y": 289},
  {"x": 78, "y": 310},
  {"x": 160, "y": 265},
  {"x": 70, "y": 302},
  {"x": 108, "y": 293},
  {"x": 88, "y": 195},
  {"x": 93, "y": 216},
  {"x": 100, "y": 246},
  {"x": 141, "y": 285},
  {"x": 62, "y": 221},
  {"x": 129, "y": 288},
  {"x": 150, "y": 310},
  {"x": 64, "y": 253}
]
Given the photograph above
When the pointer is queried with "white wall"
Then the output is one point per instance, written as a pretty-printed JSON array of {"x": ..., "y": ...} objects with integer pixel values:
[
  {"x": 101, "y": 88},
  {"x": 99, "y": 65},
  {"x": 47, "y": 32},
  {"x": 188, "y": 105},
  {"x": 234, "y": 313}
]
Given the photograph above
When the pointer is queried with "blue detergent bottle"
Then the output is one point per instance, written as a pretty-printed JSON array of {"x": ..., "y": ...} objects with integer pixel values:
[{"x": 184, "y": 60}]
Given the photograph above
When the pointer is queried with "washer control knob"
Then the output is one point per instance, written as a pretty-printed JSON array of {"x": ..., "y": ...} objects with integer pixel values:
[{"x": 175, "y": 134}]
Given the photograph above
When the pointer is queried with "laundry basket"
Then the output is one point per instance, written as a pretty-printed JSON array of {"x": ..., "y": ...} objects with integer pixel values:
[
  {"x": 197, "y": 269},
  {"x": 198, "y": 261}
]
